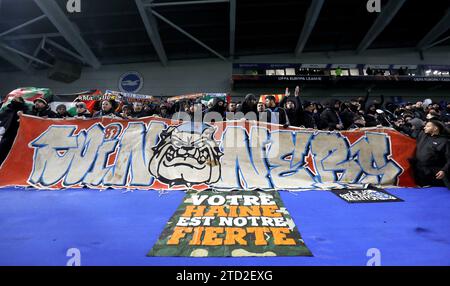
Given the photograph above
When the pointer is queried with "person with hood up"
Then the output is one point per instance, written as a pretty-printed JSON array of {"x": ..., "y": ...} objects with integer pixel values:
[
  {"x": 330, "y": 118},
  {"x": 308, "y": 119},
  {"x": 249, "y": 104},
  {"x": 219, "y": 106},
  {"x": 293, "y": 107}
]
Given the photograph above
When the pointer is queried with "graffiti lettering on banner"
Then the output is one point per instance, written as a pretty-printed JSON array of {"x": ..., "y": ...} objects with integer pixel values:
[
  {"x": 237, "y": 223},
  {"x": 370, "y": 195},
  {"x": 156, "y": 153}
]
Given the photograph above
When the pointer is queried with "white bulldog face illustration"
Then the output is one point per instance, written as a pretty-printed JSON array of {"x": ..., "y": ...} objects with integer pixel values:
[{"x": 185, "y": 157}]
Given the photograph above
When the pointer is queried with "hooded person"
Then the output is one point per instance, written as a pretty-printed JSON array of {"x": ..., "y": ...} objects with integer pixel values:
[
  {"x": 293, "y": 107},
  {"x": 308, "y": 119},
  {"x": 348, "y": 114},
  {"x": 219, "y": 106},
  {"x": 42, "y": 109},
  {"x": 9, "y": 124},
  {"x": 371, "y": 116},
  {"x": 249, "y": 104},
  {"x": 426, "y": 103},
  {"x": 416, "y": 126},
  {"x": 330, "y": 118}
]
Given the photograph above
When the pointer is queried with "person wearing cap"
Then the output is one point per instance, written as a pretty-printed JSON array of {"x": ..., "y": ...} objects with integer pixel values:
[
  {"x": 61, "y": 111},
  {"x": 431, "y": 164},
  {"x": 82, "y": 111},
  {"x": 42, "y": 109}
]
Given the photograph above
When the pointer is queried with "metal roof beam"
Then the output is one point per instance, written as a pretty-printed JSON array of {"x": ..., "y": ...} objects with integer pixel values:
[
  {"x": 13, "y": 50},
  {"x": 37, "y": 50},
  {"x": 27, "y": 23},
  {"x": 185, "y": 3},
  {"x": 64, "y": 49},
  {"x": 440, "y": 28},
  {"x": 188, "y": 35},
  {"x": 13, "y": 58},
  {"x": 31, "y": 36},
  {"x": 232, "y": 27},
  {"x": 68, "y": 30},
  {"x": 387, "y": 14},
  {"x": 151, "y": 26},
  {"x": 310, "y": 21}
]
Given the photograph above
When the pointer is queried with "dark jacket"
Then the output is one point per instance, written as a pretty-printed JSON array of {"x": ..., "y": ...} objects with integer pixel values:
[
  {"x": 294, "y": 115},
  {"x": 65, "y": 115},
  {"x": 9, "y": 125},
  {"x": 246, "y": 106},
  {"x": 46, "y": 112},
  {"x": 276, "y": 111},
  {"x": 432, "y": 156},
  {"x": 217, "y": 108},
  {"x": 347, "y": 117},
  {"x": 433, "y": 151},
  {"x": 308, "y": 120},
  {"x": 140, "y": 114},
  {"x": 371, "y": 119},
  {"x": 86, "y": 114},
  {"x": 329, "y": 119}
]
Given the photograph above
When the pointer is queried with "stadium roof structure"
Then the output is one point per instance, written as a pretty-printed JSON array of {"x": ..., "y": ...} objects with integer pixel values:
[{"x": 33, "y": 33}]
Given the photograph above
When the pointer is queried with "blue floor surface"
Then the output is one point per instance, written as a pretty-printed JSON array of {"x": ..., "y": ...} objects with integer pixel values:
[{"x": 118, "y": 228}]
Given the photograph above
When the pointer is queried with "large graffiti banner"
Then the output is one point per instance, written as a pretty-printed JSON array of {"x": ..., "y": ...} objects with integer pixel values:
[{"x": 156, "y": 153}]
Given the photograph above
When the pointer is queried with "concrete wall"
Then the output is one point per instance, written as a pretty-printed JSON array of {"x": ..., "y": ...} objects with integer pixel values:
[
  {"x": 209, "y": 75},
  {"x": 177, "y": 78}
]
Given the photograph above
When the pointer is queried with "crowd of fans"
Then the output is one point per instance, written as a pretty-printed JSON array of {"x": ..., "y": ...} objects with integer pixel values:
[
  {"x": 408, "y": 118},
  {"x": 421, "y": 120}
]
